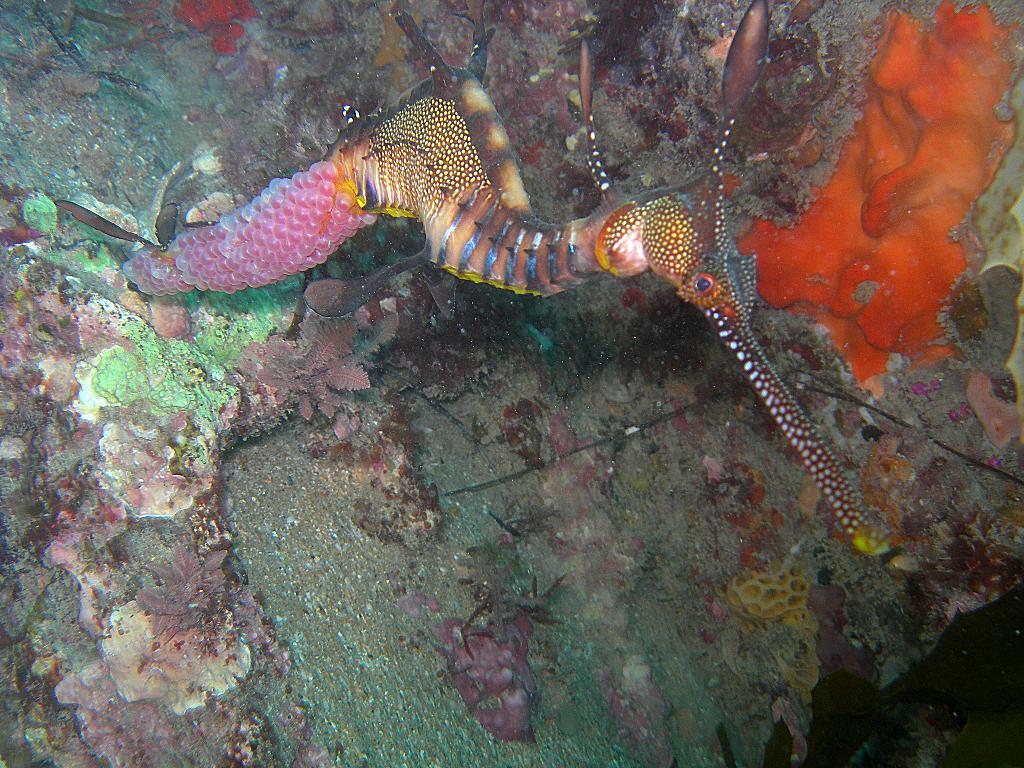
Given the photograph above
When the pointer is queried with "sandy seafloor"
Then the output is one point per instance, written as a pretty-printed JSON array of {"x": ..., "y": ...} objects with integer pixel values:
[
  {"x": 333, "y": 591},
  {"x": 687, "y": 487}
]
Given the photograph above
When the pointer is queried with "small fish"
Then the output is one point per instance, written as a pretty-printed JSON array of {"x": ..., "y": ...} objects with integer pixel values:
[
  {"x": 100, "y": 224},
  {"x": 336, "y": 297},
  {"x": 166, "y": 223}
]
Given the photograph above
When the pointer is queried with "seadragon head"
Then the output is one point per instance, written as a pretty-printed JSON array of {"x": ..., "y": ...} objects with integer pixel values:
[{"x": 682, "y": 236}]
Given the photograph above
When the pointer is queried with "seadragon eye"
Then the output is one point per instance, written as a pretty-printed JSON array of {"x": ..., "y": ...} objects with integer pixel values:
[{"x": 704, "y": 284}]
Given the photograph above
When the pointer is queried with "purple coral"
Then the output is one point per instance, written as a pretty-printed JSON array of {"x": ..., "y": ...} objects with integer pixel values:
[
  {"x": 314, "y": 371},
  {"x": 126, "y": 734},
  {"x": 491, "y": 672}
]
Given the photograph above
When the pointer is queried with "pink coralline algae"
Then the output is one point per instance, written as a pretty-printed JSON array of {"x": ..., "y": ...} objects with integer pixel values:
[
  {"x": 489, "y": 669},
  {"x": 998, "y": 417},
  {"x": 169, "y": 320},
  {"x": 135, "y": 735},
  {"x": 136, "y": 470},
  {"x": 150, "y": 660},
  {"x": 79, "y": 533},
  {"x": 312, "y": 372},
  {"x": 639, "y": 709},
  {"x": 293, "y": 225}
]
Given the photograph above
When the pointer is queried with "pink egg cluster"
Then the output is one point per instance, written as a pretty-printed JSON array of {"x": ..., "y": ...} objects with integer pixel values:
[
  {"x": 155, "y": 273},
  {"x": 293, "y": 225}
]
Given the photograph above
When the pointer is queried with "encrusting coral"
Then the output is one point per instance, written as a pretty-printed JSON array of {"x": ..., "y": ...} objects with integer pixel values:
[
  {"x": 763, "y": 596},
  {"x": 780, "y": 594},
  {"x": 873, "y": 259}
]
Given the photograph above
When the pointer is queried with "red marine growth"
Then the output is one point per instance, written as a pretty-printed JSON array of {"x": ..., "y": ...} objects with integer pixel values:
[
  {"x": 873, "y": 259},
  {"x": 218, "y": 17}
]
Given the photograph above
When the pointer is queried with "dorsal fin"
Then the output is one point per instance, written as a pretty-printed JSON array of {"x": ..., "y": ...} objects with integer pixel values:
[{"x": 486, "y": 130}]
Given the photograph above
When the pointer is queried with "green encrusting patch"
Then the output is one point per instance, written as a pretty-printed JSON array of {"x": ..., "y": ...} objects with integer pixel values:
[
  {"x": 166, "y": 376},
  {"x": 161, "y": 376},
  {"x": 40, "y": 213},
  {"x": 92, "y": 260},
  {"x": 236, "y": 320}
]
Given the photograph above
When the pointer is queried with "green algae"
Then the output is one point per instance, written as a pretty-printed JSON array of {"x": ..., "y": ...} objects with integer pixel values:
[
  {"x": 84, "y": 261},
  {"x": 89, "y": 261},
  {"x": 234, "y": 321},
  {"x": 161, "y": 376},
  {"x": 167, "y": 376},
  {"x": 40, "y": 213}
]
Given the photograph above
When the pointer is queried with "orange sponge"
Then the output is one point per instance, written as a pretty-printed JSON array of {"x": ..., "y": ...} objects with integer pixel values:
[{"x": 873, "y": 259}]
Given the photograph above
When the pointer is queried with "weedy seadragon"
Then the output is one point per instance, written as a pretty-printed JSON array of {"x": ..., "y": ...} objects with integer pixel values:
[{"x": 443, "y": 156}]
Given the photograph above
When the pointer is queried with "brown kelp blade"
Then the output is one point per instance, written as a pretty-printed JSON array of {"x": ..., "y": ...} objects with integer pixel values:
[
  {"x": 746, "y": 58},
  {"x": 100, "y": 224}
]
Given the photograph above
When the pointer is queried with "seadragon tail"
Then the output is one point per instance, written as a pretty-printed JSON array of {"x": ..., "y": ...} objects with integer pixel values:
[{"x": 294, "y": 224}]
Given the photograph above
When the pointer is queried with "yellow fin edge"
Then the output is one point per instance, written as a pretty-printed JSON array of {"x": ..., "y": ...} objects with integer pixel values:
[
  {"x": 350, "y": 186},
  {"x": 493, "y": 283}
]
